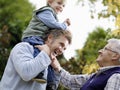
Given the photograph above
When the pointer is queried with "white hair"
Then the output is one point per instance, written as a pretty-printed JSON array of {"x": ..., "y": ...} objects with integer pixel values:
[{"x": 116, "y": 45}]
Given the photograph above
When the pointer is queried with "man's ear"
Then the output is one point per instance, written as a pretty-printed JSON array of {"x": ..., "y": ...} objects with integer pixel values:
[
  {"x": 115, "y": 56},
  {"x": 49, "y": 37}
]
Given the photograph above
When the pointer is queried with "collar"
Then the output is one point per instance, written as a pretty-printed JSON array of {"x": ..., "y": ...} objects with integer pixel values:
[{"x": 102, "y": 69}]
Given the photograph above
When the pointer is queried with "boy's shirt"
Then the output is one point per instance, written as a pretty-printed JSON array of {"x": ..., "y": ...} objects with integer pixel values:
[{"x": 49, "y": 20}]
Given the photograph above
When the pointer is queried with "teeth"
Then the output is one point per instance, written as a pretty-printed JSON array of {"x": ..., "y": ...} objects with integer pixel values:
[{"x": 55, "y": 53}]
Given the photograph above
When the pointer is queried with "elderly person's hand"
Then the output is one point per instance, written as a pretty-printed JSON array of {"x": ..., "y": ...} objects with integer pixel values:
[{"x": 55, "y": 64}]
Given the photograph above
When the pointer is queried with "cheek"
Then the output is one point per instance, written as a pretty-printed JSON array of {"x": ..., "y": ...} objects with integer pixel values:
[
  {"x": 54, "y": 45},
  {"x": 102, "y": 57},
  {"x": 107, "y": 57}
]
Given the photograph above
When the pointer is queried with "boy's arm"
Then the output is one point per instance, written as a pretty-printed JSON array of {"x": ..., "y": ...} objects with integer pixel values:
[{"x": 49, "y": 20}]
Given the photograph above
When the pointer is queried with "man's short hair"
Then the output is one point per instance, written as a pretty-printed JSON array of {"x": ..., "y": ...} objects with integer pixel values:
[{"x": 57, "y": 33}]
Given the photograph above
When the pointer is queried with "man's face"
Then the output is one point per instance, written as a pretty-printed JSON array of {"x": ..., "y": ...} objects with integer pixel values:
[
  {"x": 58, "y": 45},
  {"x": 57, "y": 5},
  {"x": 105, "y": 56}
]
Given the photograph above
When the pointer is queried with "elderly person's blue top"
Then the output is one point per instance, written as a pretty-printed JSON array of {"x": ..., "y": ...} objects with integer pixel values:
[{"x": 22, "y": 67}]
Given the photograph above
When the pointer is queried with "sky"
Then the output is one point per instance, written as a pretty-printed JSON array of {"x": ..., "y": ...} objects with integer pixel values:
[{"x": 81, "y": 23}]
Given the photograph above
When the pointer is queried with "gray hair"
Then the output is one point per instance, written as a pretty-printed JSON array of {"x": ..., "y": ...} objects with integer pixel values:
[{"x": 116, "y": 45}]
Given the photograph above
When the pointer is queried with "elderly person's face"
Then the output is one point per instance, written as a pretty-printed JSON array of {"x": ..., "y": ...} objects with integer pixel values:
[
  {"x": 107, "y": 56},
  {"x": 57, "y": 45}
]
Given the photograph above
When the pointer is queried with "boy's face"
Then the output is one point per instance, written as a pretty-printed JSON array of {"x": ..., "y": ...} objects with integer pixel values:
[{"x": 57, "y": 5}]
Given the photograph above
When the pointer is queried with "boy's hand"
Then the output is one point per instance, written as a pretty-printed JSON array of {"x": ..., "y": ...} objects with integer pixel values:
[
  {"x": 44, "y": 48},
  {"x": 67, "y": 21}
]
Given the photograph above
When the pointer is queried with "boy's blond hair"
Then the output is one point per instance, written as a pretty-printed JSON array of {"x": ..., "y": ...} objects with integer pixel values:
[{"x": 50, "y": 1}]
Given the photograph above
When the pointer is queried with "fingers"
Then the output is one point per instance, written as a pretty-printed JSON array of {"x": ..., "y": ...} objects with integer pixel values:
[
  {"x": 44, "y": 48},
  {"x": 68, "y": 21},
  {"x": 56, "y": 65}
]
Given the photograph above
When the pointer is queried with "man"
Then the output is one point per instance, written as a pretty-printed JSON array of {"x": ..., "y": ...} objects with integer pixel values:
[
  {"x": 106, "y": 78},
  {"x": 22, "y": 67}
]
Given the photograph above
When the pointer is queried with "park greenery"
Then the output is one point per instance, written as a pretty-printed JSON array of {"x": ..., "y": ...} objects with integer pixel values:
[{"x": 15, "y": 15}]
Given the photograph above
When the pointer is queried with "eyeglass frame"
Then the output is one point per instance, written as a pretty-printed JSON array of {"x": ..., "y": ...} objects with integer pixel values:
[{"x": 106, "y": 48}]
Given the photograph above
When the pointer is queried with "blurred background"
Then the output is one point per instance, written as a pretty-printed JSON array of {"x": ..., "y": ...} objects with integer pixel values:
[{"x": 92, "y": 23}]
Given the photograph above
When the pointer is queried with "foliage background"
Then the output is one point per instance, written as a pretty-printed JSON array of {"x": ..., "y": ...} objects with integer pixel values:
[{"x": 15, "y": 16}]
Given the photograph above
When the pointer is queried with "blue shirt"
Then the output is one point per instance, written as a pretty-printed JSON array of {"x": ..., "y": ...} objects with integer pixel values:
[{"x": 49, "y": 20}]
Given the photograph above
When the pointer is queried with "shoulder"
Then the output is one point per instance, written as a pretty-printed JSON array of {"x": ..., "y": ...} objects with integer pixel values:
[
  {"x": 45, "y": 8},
  {"x": 115, "y": 77},
  {"x": 113, "y": 82},
  {"x": 23, "y": 46}
]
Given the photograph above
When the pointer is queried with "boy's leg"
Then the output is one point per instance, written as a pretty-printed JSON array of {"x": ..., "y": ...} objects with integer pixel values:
[{"x": 52, "y": 80}]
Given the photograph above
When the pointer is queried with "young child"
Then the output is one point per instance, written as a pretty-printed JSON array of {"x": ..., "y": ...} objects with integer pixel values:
[{"x": 43, "y": 20}]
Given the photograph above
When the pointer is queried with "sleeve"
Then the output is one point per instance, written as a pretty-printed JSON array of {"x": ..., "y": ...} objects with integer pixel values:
[
  {"x": 73, "y": 82},
  {"x": 113, "y": 82},
  {"x": 25, "y": 64},
  {"x": 49, "y": 20}
]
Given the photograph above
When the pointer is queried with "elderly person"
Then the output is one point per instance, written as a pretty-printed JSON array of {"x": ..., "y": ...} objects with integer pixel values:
[{"x": 106, "y": 78}]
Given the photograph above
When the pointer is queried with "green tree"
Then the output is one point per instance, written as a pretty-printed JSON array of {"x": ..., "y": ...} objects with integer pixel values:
[
  {"x": 87, "y": 55},
  {"x": 95, "y": 41},
  {"x": 14, "y": 16},
  {"x": 111, "y": 9}
]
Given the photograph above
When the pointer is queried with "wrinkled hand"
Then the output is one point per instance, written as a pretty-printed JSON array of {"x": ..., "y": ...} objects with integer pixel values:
[
  {"x": 55, "y": 64},
  {"x": 44, "y": 47}
]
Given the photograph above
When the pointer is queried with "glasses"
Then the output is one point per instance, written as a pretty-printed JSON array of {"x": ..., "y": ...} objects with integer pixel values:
[{"x": 109, "y": 49}]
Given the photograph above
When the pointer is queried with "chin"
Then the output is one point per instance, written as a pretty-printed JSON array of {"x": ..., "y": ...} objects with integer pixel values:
[{"x": 100, "y": 65}]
